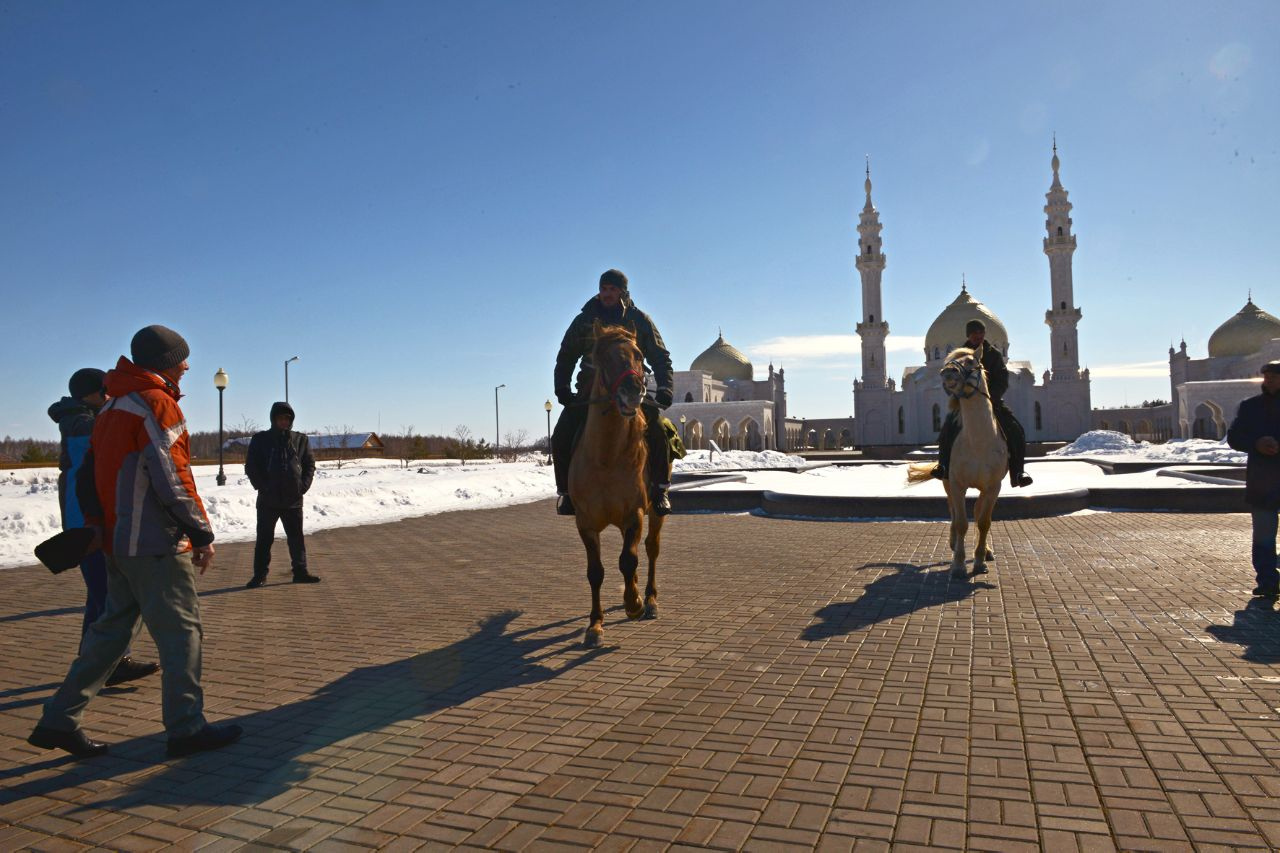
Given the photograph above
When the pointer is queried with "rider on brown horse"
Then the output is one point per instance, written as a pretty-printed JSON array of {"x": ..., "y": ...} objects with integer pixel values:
[
  {"x": 997, "y": 383},
  {"x": 612, "y": 306}
]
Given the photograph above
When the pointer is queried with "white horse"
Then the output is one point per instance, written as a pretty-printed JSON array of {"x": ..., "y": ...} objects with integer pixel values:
[{"x": 979, "y": 458}]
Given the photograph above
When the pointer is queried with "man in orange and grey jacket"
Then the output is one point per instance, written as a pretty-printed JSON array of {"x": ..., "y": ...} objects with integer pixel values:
[{"x": 136, "y": 486}]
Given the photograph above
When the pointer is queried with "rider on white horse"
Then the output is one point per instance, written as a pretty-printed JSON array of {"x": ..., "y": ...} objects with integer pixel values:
[{"x": 997, "y": 384}]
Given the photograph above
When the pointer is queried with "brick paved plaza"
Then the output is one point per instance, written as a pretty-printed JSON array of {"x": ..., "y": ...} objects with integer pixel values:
[{"x": 1108, "y": 685}]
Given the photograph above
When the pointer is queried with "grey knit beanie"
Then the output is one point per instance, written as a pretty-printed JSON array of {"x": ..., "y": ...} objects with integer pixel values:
[{"x": 158, "y": 348}]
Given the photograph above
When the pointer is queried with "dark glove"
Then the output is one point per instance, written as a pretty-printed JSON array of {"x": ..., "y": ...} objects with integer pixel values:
[
  {"x": 565, "y": 396},
  {"x": 662, "y": 397}
]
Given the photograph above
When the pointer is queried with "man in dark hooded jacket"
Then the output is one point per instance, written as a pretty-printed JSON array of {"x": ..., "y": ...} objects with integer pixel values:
[
  {"x": 74, "y": 416},
  {"x": 612, "y": 306},
  {"x": 1256, "y": 431},
  {"x": 280, "y": 467}
]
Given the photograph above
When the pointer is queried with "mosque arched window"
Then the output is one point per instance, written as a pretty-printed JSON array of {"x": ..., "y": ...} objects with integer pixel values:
[
  {"x": 1059, "y": 230},
  {"x": 937, "y": 418},
  {"x": 902, "y": 421},
  {"x": 1064, "y": 305},
  {"x": 688, "y": 397},
  {"x": 873, "y": 318},
  {"x": 1039, "y": 424}
]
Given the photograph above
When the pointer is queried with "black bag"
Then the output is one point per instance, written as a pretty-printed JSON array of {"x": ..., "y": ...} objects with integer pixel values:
[{"x": 67, "y": 550}]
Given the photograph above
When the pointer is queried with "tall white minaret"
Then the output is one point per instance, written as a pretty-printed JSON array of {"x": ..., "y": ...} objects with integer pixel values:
[
  {"x": 1063, "y": 316},
  {"x": 873, "y": 329}
]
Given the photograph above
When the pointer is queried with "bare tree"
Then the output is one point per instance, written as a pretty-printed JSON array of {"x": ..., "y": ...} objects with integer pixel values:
[
  {"x": 515, "y": 442},
  {"x": 340, "y": 441},
  {"x": 410, "y": 447}
]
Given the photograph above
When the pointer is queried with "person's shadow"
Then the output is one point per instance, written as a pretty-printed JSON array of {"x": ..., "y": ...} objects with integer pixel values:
[
  {"x": 908, "y": 589},
  {"x": 285, "y": 745},
  {"x": 1256, "y": 628}
]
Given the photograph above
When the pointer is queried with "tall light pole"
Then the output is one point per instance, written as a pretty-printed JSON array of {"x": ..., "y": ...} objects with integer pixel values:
[
  {"x": 497, "y": 431},
  {"x": 286, "y": 377},
  {"x": 220, "y": 380},
  {"x": 683, "y": 440},
  {"x": 547, "y": 406}
]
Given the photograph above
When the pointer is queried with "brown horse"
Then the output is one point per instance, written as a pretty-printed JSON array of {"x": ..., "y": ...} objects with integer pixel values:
[
  {"x": 607, "y": 475},
  {"x": 979, "y": 458}
]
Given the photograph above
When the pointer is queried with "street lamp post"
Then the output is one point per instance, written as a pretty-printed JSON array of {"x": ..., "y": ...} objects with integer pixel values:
[
  {"x": 547, "y": 406},
  {"x": 683, "y": 440},
  {"x": 497, "y": 430},
  {"x": 286, "y": 377},
  {"x": 220, "y": 380}
]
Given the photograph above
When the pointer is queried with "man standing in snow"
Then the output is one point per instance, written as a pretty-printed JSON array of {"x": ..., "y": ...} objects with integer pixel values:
[
  {"x": 612, "y": 306},
  {"x": 280, "y": 467},
  {"x": 75, "y": 415},
  {"x": 136, "y": 486},
  {"x": 1256, "y": 431}
]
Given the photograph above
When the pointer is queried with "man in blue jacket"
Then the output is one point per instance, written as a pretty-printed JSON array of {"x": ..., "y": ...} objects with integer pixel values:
[
  {"x": 74, "y": 416},
  {"x": 280, "y": 466},
  {"x": 1256, "y": 431}
]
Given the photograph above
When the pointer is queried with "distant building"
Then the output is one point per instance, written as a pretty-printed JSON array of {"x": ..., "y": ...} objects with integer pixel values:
[
  {"x": 720, "y": 400},
  {"x": 331, "y": 443}
]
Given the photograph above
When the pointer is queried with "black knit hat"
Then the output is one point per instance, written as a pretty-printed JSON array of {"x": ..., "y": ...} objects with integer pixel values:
[
  {"x": 1271, "y": 367},
  {"x": 974, "y": 326},
  {"x": 86, "y": 381},
  {"x": 615, "y": 278},
  {"x": 158, "y": 348}
]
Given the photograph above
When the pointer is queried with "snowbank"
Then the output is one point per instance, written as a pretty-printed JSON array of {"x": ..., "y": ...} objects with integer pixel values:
[{"x": 1104, "y": 442}]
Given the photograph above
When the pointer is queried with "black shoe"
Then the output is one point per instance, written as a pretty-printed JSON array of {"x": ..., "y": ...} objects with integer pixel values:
[
  {"x": 564, "y": 506},
  {"x": 77, "y": 743},
  {"x": 256, "y": 581},
  {"x": 304, "y": 577},
  {"x": 1266, "y": 591},
  {"x": 938, "y": 473},
  {"x": 130, "y": 670},
  {"x": 661, "y": 501},
  {"x": 1021, "y": 480},
  {"x": 210, "y": 737}
]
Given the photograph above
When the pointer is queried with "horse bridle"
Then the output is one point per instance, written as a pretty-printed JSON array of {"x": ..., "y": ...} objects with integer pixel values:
[
  {"x": 969, "y": 375},
  {"x": 614, "y": 387}
]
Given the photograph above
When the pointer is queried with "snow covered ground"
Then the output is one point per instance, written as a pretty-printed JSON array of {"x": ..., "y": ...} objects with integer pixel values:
[{"x": 371, "y": 491}]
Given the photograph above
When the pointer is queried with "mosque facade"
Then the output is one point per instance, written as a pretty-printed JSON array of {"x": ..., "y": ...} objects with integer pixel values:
[
  {"x": 719, "y": 399},
  {"x": 1205, "y": 392},
  {"x": 1055, "y": 409}
]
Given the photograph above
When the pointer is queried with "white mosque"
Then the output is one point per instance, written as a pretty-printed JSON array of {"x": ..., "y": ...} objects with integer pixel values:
[{"x": 1057, "y": 409}]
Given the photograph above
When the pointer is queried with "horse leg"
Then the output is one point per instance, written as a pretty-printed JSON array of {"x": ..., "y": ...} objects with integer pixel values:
[
  {"x": 651, "y": 549},
  {"x": 959, "y": 526},
  {"x": 982, "y": 518},
  {"x": 628, "y": 563},
  {"x": 595, "y": 577}
]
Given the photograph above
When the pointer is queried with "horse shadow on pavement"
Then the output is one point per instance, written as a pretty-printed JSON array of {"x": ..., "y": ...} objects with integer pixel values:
[
  {"x": 908, "y": 589},
  {"x": 286, "y": 745},
  {"x": 1256, "y": 627}
]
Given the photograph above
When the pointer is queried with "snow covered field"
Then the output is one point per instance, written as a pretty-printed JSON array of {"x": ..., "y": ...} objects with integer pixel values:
[{"x": 371, "y": 491}]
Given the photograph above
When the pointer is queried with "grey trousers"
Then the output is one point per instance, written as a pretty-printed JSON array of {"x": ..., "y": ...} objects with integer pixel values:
[{"x": 160, "y": 592}]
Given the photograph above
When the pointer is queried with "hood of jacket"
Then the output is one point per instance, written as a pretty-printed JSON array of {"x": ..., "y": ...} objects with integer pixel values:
[
  {"x": 277, "y": 409},
  {"x": 69, "y": 407},
  {"x": 127, "y": 377}
]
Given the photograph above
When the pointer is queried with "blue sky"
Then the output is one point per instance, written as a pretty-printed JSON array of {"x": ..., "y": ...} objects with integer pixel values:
[{"x": 416, "y": 198}]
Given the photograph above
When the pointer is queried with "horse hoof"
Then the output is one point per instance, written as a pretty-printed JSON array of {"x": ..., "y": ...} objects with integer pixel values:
[
  {"x": 979, "y": 570},
  {"x": 651, "y": 611},
  {"x": 990, "y": 555},
  {"x": 592, "y": 639},
  {"x": 637, "y": 613}
]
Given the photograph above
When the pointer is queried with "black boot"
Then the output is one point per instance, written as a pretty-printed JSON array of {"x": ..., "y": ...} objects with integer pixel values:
[
  {"x": 659, "y": 498},
  {"x": 305, "y": 577},
  {"x": 77, "y": 743},
  {"x": 256, "y": 581},
  {"x": 210, "y": 737},
  {"x": 939, "y": 472},
  {"x": 1020, "y": 479},
  {"x": 564, "y": 506}
]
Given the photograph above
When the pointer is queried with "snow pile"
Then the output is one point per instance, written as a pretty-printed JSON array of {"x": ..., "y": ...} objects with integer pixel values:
[
  {"x": 735, "y": 460},
  {"x": 1104, "y": 442}
]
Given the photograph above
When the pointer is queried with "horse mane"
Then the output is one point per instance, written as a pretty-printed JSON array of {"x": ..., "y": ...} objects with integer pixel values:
[{"x": 610, "y": 335}]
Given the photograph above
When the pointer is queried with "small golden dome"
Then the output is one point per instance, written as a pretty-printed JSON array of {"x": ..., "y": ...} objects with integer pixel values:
[
  {"x": 1245, "y": 333},
  {"x": 724, "y": 361},
  {"x": 947, "y": 332}
]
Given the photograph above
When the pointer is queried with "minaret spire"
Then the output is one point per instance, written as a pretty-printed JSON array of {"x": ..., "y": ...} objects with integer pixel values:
[
  {"x": 1059, "y": 245},
  {"x": 871, "y": 262}
]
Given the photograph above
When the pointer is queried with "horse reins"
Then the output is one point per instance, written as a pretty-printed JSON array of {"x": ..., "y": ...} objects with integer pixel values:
[{"x": 970, "y": 381}]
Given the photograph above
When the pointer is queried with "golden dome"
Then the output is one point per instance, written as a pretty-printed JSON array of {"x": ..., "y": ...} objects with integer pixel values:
[
  {"x": 947, "y": 332},
  {"x": 724, "y": 361},
  {"x": 1245, "y": 333}
]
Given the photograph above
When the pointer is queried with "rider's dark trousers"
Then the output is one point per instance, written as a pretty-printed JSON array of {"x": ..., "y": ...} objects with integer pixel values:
[
  {"x": 574, "y": 418},
  {"x": 1014, "y": 436}
]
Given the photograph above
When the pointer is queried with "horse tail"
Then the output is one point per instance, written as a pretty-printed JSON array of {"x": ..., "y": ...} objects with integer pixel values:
[{"x": 918, "y": 472}]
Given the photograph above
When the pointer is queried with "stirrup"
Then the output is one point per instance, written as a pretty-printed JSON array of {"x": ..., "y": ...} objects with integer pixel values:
[{"x": 564, "y": 506}]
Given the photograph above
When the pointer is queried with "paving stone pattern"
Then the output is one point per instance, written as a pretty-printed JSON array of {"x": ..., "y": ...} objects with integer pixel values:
[{"x": 1109, "y": 685}]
